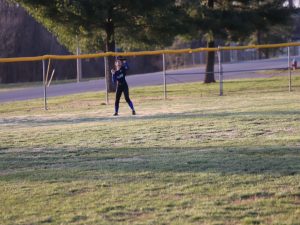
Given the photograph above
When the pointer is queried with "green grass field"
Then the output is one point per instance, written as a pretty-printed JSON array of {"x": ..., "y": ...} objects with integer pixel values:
[{"x": 195, "y": 158}]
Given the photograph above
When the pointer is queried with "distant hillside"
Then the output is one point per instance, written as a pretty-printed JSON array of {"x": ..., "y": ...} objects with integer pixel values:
[{"x": 21, "y": 35}]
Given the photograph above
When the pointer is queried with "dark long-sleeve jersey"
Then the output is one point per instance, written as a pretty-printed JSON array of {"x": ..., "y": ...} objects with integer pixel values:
[{"x": 119, "y": 75}]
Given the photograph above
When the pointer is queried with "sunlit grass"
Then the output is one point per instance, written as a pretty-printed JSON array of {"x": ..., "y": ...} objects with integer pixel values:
[{"x": 195, "y": 158}]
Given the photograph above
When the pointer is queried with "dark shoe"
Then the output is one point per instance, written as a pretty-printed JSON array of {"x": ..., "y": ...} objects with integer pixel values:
[
  {"x": 133, "y": 112},
  {"x": 116, "y": 114}
]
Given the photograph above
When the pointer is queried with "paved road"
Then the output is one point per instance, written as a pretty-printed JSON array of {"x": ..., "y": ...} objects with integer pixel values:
[{"x": 174, "y": 76}]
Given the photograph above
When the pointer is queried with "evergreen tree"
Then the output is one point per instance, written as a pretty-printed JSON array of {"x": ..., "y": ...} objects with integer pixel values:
[
  {"x": 273, "y": 24},
  {"x": 103, "y": 22},
  {"x": 232, "y": 20}
]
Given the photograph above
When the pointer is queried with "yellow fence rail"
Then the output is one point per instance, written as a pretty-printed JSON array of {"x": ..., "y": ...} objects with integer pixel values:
[{"x": 141, "y": 53}]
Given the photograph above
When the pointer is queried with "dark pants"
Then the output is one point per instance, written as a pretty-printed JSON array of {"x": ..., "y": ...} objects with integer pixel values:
[{"x": 122, "y": 88}]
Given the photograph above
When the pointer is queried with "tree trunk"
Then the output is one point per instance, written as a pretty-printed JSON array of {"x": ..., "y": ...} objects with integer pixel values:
[
  {"x": 110, "y": 47},
  {"x": 210, "y": 60},
  {"x": 258, "y": 40},
  {"x": 291, "y": 4},
  {"x": 210, "y": 64}
]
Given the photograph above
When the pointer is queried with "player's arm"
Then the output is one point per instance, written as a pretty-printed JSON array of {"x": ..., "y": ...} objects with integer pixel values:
[{"x": 114, "y": 76}]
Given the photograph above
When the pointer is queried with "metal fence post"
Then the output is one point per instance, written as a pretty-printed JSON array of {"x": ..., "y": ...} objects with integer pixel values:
[
  {"x": 106, "y": 75},
  {"x": 78, "y": 65},
  {"x": 45, "y": 86},
  {"x": 165, "y": 78},
  {"x": 78, "y": 61},
  {"x": 289, "y": 69},
  {"x": 220, "y": 71}
]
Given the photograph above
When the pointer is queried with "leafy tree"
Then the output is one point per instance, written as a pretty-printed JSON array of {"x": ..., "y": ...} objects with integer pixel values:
[{"x": 102, "y": 23}]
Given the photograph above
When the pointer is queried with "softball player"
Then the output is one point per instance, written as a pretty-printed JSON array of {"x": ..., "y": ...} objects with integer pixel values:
[{"x": 118, "y": 76}]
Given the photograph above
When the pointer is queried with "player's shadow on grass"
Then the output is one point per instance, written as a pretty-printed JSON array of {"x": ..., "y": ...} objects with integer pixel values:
[{"x": 94, "y": 163}]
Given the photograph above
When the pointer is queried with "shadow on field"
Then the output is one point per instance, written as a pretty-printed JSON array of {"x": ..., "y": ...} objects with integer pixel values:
[
  {"x": 54, "y": 164},
  {"x": 170, "y": 116}
]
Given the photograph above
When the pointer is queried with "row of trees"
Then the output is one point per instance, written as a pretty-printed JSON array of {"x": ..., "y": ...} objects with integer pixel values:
[{"x": 150, "y": 24}]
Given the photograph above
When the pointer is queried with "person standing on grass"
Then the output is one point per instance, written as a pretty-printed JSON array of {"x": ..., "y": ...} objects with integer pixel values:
[{"x": 118, "y": 76}]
